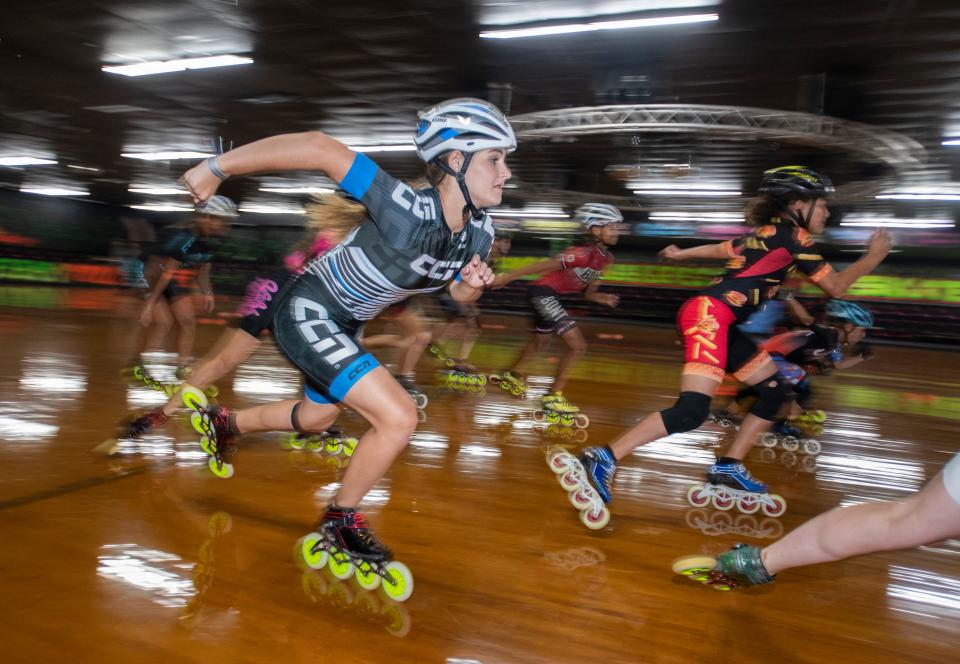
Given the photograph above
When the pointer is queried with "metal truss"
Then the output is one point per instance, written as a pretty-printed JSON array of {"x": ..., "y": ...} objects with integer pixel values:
[{"x": 872, "y": 143}]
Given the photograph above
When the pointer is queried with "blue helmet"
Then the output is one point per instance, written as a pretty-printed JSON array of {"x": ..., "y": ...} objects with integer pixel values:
[{"x": 849, "y": 311}]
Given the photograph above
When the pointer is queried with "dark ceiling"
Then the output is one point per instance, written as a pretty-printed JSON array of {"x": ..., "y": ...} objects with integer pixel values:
[{"x": 360, "y": 71}]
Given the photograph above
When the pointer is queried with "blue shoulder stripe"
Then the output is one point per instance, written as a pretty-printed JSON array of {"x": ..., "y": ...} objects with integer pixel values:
[{"x": 360, "y": 176}]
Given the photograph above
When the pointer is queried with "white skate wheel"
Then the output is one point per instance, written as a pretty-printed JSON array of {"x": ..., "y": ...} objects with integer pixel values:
[
  {"x": 723, "y": 500},
  {"x": 559, "y": 461},
  {"x": 774, "y": 505},
  {"x": 569, "y": 481},
  {"x": 579, "y": 500},
  {"x": 811, "y": 446},
  {"x": 595, "y": 520},
  {"x": 697, "y": 496},
  {"x": 748, "y": 504},
  {"x": 768, "y": 439},
  {"x": 790, "y": 444}
]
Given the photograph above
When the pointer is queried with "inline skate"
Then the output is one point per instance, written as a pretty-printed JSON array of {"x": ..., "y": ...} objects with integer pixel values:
[
  {"x": 556, "y": 409},
  {"x": 419, "y": 398},
  {"x": 587, "y": 480},
  {"x": 333, "y": 441},
  {"x": 345, "y": 544},
  {"x": 791, "y": 438},
  {"x": 740, "y": 566},
  {"x": 730, "y": 485},
  {"x": 509, "y": 382},
  {"x": 213, "y": 424}
]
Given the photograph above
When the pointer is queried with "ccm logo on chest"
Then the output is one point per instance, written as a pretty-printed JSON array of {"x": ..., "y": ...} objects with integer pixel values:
[{"x": 428, "y": 266}]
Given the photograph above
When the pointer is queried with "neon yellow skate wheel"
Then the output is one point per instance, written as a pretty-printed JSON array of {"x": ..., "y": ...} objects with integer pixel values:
[
  {"x": 212, "y": 391},
  {"x": 207, "y": 446},
  {"x": 350, "y": 446},
  {"x": 398, "y": 583},
  {"x": 339, "y": 565},
  {"x": 566, "y": 420},
  {"x": 333, "y": 446},
  {"x": 367, "y": 578},
  {"x": 197, "y": 421},
  {"x": 482, "y": 380},
  {"x": 310, "y": 553},
  {"x": 297, "y": 441},
  {"x": 697, "y": 567},
  {"x": 193, "y": 398},
  {"x": 221, "y": 469},
  {"x": 314, "y": 444}
]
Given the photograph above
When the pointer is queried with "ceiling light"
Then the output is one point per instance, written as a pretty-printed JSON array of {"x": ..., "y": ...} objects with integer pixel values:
[
  {"x": 156, "y": 191},
  {"x": 83, "y": 168},
  {"x": 162, "y": 207},
  {"x": 400, "y": 147},
  {"x": 686, "y": 192},
  {"x": 951, "y": 141},
  {"x": 271, "y": 209},
  {"x": 167, "y": 66},
  {"x": 529, "y": 213},
  {"x": 298, "y": 190},
  {"x": 878, "y": 221},
  {"x": 24, "y": 161},
  {"x": 54, "y": 191},
  {"x": 598, "y": 25},
  {"x": 713, "y": 217},
  {"x": 919, "y": 197},
  {"x": 166, "y": 156}
]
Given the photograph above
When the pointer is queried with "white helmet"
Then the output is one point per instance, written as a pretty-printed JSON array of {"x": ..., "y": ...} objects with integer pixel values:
[
  {"x": 464, "y": 124},
  {"x": 218, "y": 206},
  {"x": 597, "y": 214}
]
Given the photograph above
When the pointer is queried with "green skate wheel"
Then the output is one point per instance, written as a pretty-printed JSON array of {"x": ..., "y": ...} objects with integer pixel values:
[
  {"x": 340, "y": 565},
  {"x": 697, "y": 497},
  {"x": 697, "y": 567},
  {"x": 297, "y": 441},
  {"x": 775, "y": 505},
  {"x": 221, "y": 469},
  {"x": 595, "y": 520},
  {"x": 515, "y": 391},
  {"x": 566, "y": 420},
  {"x": 817, "y": 416},
  {"x": 193, "y": 398},
  {"x": 551, "y": 417},
  {"x": 367, "y": 577},
  {"x": 314, "y": 444},
  {"x": 482, "y": 380},
  {"x": 198, "y": 423},
  {"x": 140, "y": 372},
  {"x": 333, "y": 446},
  {"x": 398, "y": 582},
  {"x": 212, "y": 391},
  {"x": 313, "y": 556},
  {"x": 350, "y": 446},
  {"x": 768, "y": 439},
  {"x": 207, "y": 446}
]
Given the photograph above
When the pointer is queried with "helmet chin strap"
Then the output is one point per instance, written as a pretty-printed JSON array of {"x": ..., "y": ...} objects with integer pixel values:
[
  {"x": 798, "y": 217},
  {"x": 461, "y": 178}
]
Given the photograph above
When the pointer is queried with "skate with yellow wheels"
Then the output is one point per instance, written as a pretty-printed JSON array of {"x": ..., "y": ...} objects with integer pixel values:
[
  {"x": 141, "y": 374},
  {"x": 213, "y": 425},
  {"x": 573, "y": 474},
  {"x": 333, "y": 441},
  {"x": 739, "y": 567},
  {"x": 511, "y": 383},
  {"x": 730, "y": 485},
  {"x": 345, "y": 544},
  {"x": 557, "y": 409}
]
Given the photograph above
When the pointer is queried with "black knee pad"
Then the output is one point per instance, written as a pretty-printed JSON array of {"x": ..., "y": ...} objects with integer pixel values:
[
  {"x": 773, "y": 393},
  {"x": 688, "y": 413},
  {"x": 802, "y": 391}
]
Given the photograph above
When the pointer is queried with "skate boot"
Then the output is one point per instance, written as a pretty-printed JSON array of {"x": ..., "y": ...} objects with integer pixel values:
[
  {"x": 812, "y": 416},
  {"x": 556, "y": 409},
  {"x": 146, "y": 423},
  {"x": 587, "y": 479},
  {"x": 463, "y": 373},
  {"x": 791, "y": 438},
  {"x": 731, "y": 485},
  {"x": 213, "y": 424},
  {"x": 510, "y": 382},
  {"x": 344, "y": 542},
  {"x": 419, "y": 398},
  {"x": 725, "y": 419},
  {"x": 740, "y": 566}
]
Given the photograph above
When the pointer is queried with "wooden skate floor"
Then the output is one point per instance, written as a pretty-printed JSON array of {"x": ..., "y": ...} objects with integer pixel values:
[{"x": 145, "y": 556}]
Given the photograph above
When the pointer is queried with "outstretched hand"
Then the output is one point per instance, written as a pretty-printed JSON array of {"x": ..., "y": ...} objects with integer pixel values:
[
  {"x": 200, "y": 182},
  {"x": 670, "y": 253},
  {"x": 476, "y": 273}
]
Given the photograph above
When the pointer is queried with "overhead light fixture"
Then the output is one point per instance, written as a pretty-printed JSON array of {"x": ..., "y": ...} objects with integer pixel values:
[
  {"x": 167, "y": 66},
  {"x": 83, "y": 168},
  {"x": 298, "y": 190},
  {"x": 686, "y": 192},
  {"x": 54, "y": 191},
  {"x": 919, "y": 197},
  {"x": 271, "y": 209},
  {"x": 878, "y": 221},
  {"x": 539, "y": 212},
  {"x": 25, "y": 161},
  {"x": 162, "y": 207},
  {"x": 627, "y": 24},
  {"x": 399, "y": 147},
  {"x": 711, "y": 217},
  {"x": 157, "y": 191},
  {"x": 951, "y": 141},
  {"x": 166, "y": 156}
]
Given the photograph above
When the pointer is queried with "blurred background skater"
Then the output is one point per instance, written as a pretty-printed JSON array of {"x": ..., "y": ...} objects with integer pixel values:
[
  {"x": 791, "y": 208},
  {"x": 411, "y": 242},
  {"x": 577, "y": 270},
  {"x": 167, "y": 302},
  {"x": 930, "y": 515}
]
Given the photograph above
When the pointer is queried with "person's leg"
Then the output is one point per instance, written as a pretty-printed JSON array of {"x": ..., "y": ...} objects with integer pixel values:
[
  {"x": 576, "y": 347},
  {"x": 534, "y": 346},
  {"x": 471, "y": 332},
  {"x": 927, "y": 516},
  {"x": 160, "y": 326},
  {"x": 182, "y": 308},
  {"x": 418, "y": 338},
  {"x": 774, "y": 396}
]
